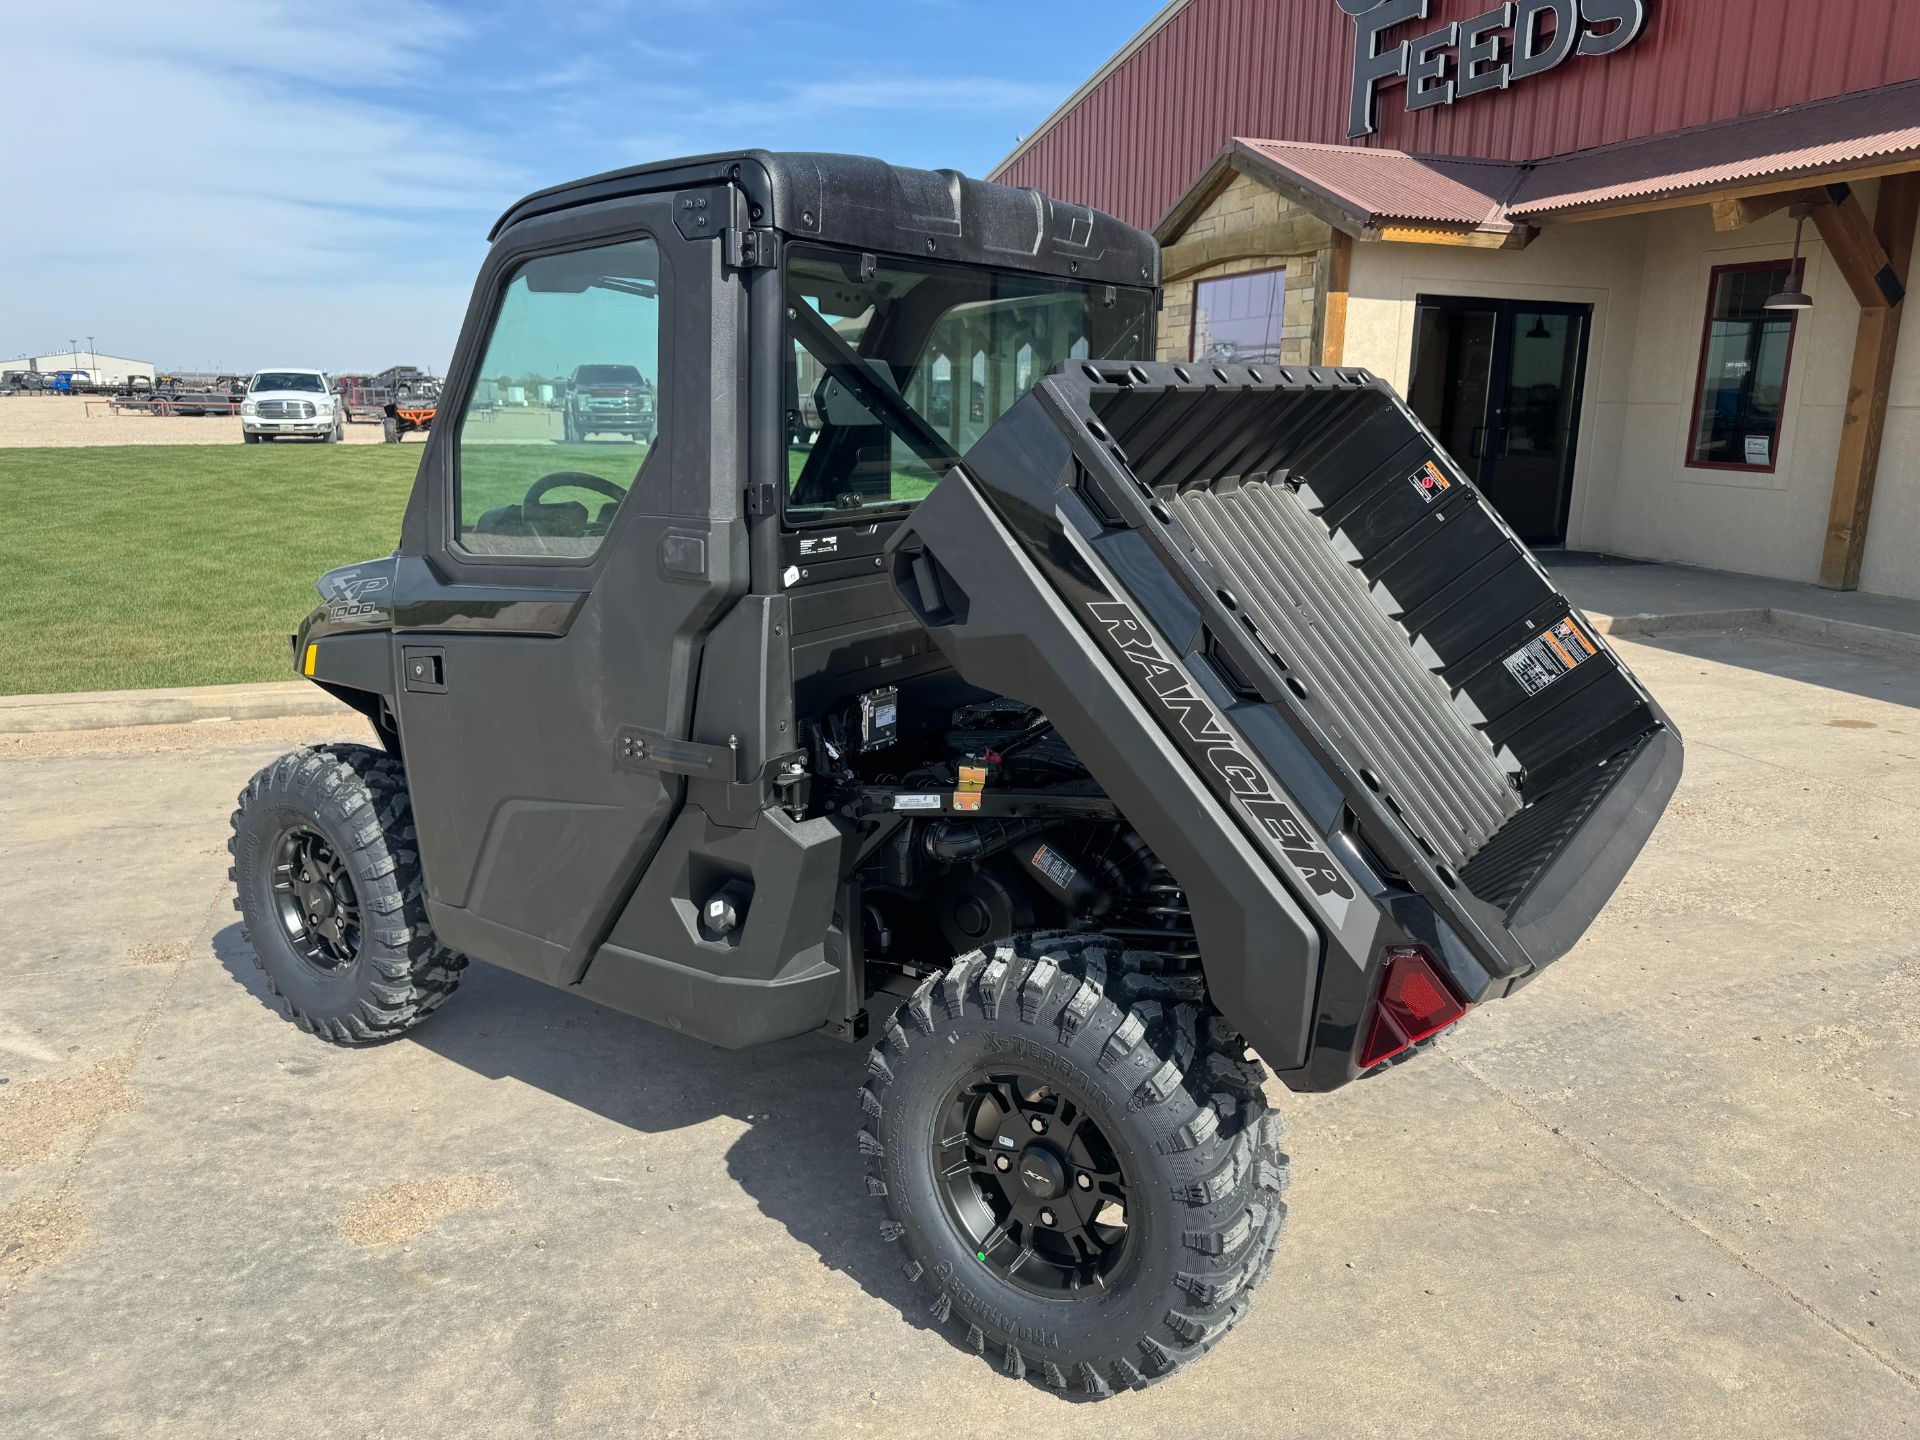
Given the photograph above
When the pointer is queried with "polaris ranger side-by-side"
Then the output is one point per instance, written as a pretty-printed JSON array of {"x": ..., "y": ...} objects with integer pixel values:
[{"x": 1205, "y": 711}]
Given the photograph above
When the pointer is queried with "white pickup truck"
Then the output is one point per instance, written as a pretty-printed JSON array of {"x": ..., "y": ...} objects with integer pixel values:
[{"x": 291, "y": 402}]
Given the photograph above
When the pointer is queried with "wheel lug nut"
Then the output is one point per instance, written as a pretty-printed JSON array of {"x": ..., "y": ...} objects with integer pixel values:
[
  {"x": 1046, "y": 1217},
  {"x": 1000, "y": 1162},
  {"x": 1038, "y": 1124},
  {"x": 1083, "y": 1182}
]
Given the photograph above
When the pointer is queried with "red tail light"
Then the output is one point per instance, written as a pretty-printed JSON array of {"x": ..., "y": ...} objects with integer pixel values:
[{"x": 1414, "y": 1003}]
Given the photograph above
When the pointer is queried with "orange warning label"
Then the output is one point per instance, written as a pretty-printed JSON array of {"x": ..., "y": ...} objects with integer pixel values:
[
  {"x": 1551, "y": 654},
  {"x": 1431, "y": 481}
]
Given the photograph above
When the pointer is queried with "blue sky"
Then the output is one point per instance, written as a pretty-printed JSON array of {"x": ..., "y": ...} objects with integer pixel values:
[{"x": 310, "y": 181}]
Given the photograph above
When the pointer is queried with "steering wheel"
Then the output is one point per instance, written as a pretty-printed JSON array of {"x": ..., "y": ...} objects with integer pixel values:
[{"x": 568, "y": 480}]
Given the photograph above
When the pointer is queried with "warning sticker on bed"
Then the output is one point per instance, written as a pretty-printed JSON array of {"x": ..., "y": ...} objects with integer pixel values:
[
  {"x": 1551, "y": 654},
  {"x": 1431, "y": 481},
  {"x": 819, "y": 545}
]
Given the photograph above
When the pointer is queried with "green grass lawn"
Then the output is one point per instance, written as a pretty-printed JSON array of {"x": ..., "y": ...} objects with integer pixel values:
[{"x": 149, "y": 565}]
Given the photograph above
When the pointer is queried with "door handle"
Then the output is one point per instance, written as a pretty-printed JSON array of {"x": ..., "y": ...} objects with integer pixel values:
[
  {"x": 424, "y": 669},
  {"x": 1476, "y": 445}
]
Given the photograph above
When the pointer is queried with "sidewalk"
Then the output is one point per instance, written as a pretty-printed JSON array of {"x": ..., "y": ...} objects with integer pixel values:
[
  {"x": 109, "y": 709},
  {"x": 1633, "y": 597}
]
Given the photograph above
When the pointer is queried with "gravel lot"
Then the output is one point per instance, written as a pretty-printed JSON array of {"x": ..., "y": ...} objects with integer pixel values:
[
  {"x": 1666, "y": 1191},
  {"x": 61, "y": 421}
]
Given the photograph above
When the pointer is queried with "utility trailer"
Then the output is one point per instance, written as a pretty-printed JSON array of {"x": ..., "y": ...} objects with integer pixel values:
[
  {"x": 1207, "y": 713},
  {"x": 361, "y": 400}
]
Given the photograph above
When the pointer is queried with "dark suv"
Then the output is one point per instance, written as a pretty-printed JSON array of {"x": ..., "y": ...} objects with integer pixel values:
[{"x": 609, "y": 400}]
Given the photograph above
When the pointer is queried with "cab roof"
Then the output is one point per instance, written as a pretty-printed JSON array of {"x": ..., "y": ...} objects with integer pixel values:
[{"x": 864, "y": 203}]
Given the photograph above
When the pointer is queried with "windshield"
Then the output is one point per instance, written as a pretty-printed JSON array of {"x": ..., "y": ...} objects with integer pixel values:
[
  {"x": 608, "y": 375},
  {"x": 286, "y": 380},
  {"x": 896, "y": 372}
]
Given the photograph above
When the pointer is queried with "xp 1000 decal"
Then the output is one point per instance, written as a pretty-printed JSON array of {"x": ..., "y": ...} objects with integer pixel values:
[{"x": 1239, "y": 773}]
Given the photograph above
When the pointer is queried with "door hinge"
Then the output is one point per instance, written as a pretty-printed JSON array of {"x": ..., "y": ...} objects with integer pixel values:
[
  {"x": 762, "y": 499},
  {"x": 752, "y": 249},
  {"x": 637, "y": 749}
]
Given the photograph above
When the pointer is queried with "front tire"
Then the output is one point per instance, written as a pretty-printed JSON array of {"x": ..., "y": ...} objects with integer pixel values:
[
  {"x": 389, "y": 430},
  {"x": 328, "y": 885},
  {"x": 1100, "y": 1081}
]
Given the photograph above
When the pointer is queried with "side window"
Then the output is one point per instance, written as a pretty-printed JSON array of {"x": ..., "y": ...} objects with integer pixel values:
[
  {"x": 565, "y": 406},
  {"x": 1741, "y": 394},
  {"x": 1240, "y": 317}
]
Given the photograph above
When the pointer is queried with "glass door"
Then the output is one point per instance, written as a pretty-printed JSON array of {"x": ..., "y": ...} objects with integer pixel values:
[{"x": 1499, "y": 382}]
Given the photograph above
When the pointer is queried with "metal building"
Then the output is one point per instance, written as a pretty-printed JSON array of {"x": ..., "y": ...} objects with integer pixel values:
[
  {"x": 1639, "y": 263},
  {"x": 103, "y": 368}
]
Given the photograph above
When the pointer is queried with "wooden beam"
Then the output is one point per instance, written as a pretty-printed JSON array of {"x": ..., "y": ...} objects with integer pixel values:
[
  {"x": 1737, "y": 214},
  {"x": 1516, "y": 239},
  {"x": 1855, "y": 248},
  {"x": 1875, "y": 348},
  {"x": 1333, "y": 327}
]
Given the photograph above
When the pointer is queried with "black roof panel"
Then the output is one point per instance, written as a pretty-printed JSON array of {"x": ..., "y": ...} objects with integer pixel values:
[{"x": 855, "y": 200}]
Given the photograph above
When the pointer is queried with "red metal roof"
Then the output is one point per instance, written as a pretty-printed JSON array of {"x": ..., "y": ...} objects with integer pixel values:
[
  {"x": 1381, "y": 185},
  {"x": 1207, "y": 70},
  {"x": 1846, "y": 132},
  {"x": 1372, "y": 187}
]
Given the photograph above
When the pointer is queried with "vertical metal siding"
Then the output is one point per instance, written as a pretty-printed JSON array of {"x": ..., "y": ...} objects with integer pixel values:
[{"x": 1279, "y": 69}]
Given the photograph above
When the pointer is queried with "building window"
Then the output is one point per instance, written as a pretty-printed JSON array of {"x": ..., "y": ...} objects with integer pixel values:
[
  {"x": 1744, "y": 358},
  {"x": 1240, "y": 317}
]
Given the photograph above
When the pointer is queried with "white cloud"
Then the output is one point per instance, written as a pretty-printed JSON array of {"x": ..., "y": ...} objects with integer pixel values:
[
  {"x": 829, "y": 114},
  {"x": 237, "y": 192},
  {"x": 311, "y": 181}
]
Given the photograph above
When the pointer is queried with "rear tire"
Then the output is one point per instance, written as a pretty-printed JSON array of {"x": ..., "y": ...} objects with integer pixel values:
[
  {"x": 328, "y": 885},
  {"x": 1160, "y": 1107}
]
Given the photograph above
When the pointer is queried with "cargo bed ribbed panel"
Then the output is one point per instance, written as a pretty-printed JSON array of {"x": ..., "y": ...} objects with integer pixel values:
[
  {"x": 1424, "y": 696},
  {"x": 1436, "y": 768}
]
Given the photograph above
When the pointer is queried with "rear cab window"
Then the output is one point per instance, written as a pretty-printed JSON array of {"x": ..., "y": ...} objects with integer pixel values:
[{"x": 897, "y": 367}]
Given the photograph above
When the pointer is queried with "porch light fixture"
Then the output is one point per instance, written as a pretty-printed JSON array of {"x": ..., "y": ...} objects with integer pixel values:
[{"x": 1790, "y": 298}]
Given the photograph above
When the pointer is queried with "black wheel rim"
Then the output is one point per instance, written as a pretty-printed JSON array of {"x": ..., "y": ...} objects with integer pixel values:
[
  {"x": 1033, "y": 1184},
  {"x": 313, "y": 892}
]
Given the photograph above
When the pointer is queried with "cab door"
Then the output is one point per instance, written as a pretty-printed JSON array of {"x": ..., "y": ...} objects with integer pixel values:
[{"x": 554, "y": 590}]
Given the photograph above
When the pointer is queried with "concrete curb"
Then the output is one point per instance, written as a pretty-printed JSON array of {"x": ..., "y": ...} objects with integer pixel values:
[
  {"x": 112, "y": 709},
  {"x": 1791, "y": 624}
]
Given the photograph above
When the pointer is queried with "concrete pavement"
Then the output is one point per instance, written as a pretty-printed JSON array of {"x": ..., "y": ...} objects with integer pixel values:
[
  {"x": 1668, "y": 1190},
  {"x": 178, "y": 705}
]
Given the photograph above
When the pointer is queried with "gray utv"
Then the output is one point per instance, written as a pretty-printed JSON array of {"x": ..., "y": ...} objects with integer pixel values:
[{"x": 1205, "y": 712}]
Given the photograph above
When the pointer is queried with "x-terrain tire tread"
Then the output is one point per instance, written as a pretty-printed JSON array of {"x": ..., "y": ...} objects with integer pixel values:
[
  {"x": 357, "y": 796},
  {"x": 1193, "y": 1098}
]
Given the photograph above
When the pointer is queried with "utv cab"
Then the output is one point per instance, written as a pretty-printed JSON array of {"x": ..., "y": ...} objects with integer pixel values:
[{"x": 1205, "y": 712}]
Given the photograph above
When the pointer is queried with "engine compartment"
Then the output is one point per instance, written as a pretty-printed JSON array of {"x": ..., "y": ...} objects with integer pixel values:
[{"x": 979, "y": 822}]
